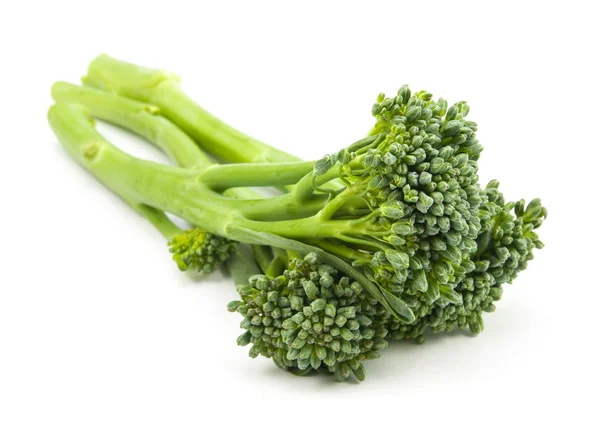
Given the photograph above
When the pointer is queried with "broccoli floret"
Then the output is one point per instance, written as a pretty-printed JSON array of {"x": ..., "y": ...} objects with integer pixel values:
[
  {"x": 199, "y": 250},
  {"x": 505, "y": 246},
  {"x": 418, "y": 176},
  {"x": 311, "y": 318}
]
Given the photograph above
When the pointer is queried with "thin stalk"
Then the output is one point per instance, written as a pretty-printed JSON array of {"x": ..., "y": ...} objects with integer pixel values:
[
  {"x": 284, "y": 207},
  {"x": 278, "y": 264},
  {"x": 281, "y": 253},
  {"x": 144, "y": 119},
  {"x": 178, "y": 191},
  {"x": 263, "y": 256},
  {"x": 356, "y": 207},
  {"x": 276, "y": 267},
  {"x": 222, "y": 177},
  {"x": 305, "y": 189},
  {"x": 336, "y": 203},
  {"x": 364, "y": 243},
  {"x": 141, "y": 119},
  {"x": 137, "y": 117},
  {"x": 161, "y": 222},
  {"x": 162, "y": 89},
  {"x": 310, "y": 228},
  {"x": 137, "y": 181},
  {"x": 342, "y": 251}
]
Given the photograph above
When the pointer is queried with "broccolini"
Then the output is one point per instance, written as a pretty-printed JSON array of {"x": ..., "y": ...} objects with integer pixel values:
[{"x": 394, "y": 230}]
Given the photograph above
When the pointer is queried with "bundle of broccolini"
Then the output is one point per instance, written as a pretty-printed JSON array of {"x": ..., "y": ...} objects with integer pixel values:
[{"x": 385, "y": 239}]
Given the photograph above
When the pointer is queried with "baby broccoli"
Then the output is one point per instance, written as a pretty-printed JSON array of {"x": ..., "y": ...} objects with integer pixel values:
[
  {"x": 394, "y": 230},
  {"x": 199, "y": 250}
]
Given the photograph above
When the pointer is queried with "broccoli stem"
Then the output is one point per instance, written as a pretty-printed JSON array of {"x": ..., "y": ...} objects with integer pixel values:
[
  {"x": 136, "y": 117},
  {"x": 182, "y": 192},
  {"x": 342, "y": 251},
  {"x": 162, "y": 89},
  {"x": 159, "y": 220},
  {"x": 221, "y": 177},
  {"x": 142, "y": 182},
  {"x": 279, "y": 263},
  {"x": 140, "y": 118},
  {"x": 145, "y": 120},
  {"x": 303, "y": 228},
  {"x": 263, "y": 256}
]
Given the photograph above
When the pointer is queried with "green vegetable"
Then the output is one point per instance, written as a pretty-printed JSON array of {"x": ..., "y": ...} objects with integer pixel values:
[
  {"x": 504, "y": 247},
  {"x": 184, "y": 245},
  {"x": 311, "y": 317},
  {"x": 392, "y": 233},
  {"x": 200, "y": 250}
]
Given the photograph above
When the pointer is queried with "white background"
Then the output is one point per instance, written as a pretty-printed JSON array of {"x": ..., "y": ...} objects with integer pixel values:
[{"x": 99, "y": 328}]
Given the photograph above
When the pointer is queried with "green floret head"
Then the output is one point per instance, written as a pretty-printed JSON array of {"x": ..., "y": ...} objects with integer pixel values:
[
  {"x": 199, "y": 250},
  {"x": 505, "y": 245},
  {"x": 418, "y": 175},
  {"x": 311, "y": 318}
]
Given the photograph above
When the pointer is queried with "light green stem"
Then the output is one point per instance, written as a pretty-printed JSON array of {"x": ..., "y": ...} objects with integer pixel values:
[
  {"x": 144, "y": 120},
  {"x": 137, "y": 181},
  {"x": 342, "y": 251},
  {"x": 160, "y": 221},
  {"x": 140, "y": 118},
  {"x": 309, "y": 228},
  {"x": 221, "y": 177},
  {"x": 162, "y": 89},
  {"x": 175, "y": 190}
]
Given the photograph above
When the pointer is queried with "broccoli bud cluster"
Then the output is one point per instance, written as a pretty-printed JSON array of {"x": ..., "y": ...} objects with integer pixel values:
[
  {"x": 199, "y": 250},
  {"x": 438, "y": 240},
  {"x": 504, "y": 247},
  {"x": 311, "y": 318},
  {"x": 423, "y": 175},
  {"x": 419, "y": 177}
]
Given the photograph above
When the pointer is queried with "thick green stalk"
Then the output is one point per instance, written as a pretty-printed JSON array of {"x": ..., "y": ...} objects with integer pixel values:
[
  {"x": 137, "y": 181},
  {"x": 162, "y": 89},
  {"x": 140, "y": 118},
  {"x": 182, "y": 193},
  {"x": 146, "y": 121},
  {"x": 179, "y": 191}
]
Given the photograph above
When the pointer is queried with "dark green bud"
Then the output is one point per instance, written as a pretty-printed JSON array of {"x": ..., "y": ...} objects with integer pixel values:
[{"x": 413, "y": 113}]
